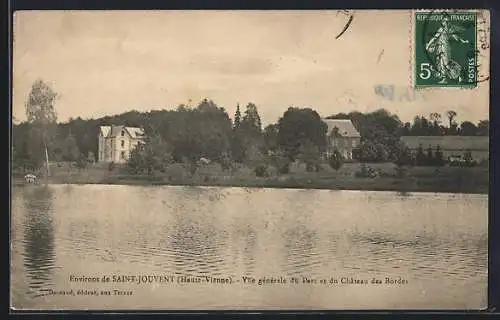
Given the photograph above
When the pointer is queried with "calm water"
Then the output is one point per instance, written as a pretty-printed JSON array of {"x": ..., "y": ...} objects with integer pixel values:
[{"x": 437, "y": 243}]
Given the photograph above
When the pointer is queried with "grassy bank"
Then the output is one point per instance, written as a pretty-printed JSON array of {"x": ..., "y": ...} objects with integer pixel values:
[{"x": 414, "y": 179}]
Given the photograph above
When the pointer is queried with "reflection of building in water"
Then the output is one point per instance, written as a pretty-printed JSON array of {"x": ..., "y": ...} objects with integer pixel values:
[{"x": 39, "y": 253}]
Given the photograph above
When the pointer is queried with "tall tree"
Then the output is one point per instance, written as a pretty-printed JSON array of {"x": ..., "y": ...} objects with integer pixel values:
[
  {"x": 483, "y": 128},
  {"x": 451, "y": 117},
  {"x": 70, "y": 150},
  {"x": 247, "y": 137},
  {"x": 436, "y": 122},
  {"x": 468, "y": 128},
  {"x": 41, "y": 114},
  {"x": 271, "y": 137},
  {"x": 298, "y": 127},
  {"x": 237, "y": 117},
  {"x": 435, "y": 118},
  {"x": 252, "y": 117}
]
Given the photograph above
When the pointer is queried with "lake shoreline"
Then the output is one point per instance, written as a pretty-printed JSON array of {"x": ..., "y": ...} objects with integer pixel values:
[{"x": 355, "y": 184}]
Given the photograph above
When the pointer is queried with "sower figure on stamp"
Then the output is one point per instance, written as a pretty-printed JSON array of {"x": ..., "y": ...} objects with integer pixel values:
[{"x": 440, "y": 46}]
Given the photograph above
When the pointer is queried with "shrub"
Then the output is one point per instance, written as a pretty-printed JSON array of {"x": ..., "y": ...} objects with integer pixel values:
[
  {"x": 336, "y": 160},
  {"x": 284, "y": 169},
  {"x": 111, "y": 166},
  {"x": 366, "y": 172},
  {"x": 261, "y": 171}
]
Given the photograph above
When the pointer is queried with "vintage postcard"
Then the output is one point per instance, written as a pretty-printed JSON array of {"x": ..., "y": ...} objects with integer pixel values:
[{"x": 270, "y": 160}]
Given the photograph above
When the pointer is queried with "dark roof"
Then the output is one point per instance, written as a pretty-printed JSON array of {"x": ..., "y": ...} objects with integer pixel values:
[
  {"x": 114, "y": 131},
  {"x": 346, "y": 128},
  {"x": 448, "y": 142}
]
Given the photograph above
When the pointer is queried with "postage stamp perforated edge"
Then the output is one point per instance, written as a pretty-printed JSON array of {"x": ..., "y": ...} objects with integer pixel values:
[{"x": 480, "y": 43}]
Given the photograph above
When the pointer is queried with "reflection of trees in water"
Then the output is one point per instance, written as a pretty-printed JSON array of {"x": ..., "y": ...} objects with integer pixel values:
[
  {"x": 250, "y": 237},
  {"x": 300, "y": 251},
  {"x": 38, "y": 239},
  {"x": 244, "y": 244}
]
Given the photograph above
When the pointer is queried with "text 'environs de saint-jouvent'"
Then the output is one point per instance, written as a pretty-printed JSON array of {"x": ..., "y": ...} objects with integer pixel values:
[{"x": 246, "y": 280}]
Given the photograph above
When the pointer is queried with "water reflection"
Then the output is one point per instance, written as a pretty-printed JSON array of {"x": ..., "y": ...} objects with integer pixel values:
[
  {"x": 249, "y": 250},
  {"x": 300, "y": 251},
  {"x": 38, "y": 241},
  {"x": 231, "y": 231},
  {"x": 195, "y": 245},
  {"x": 244, "y": 246},
  {"x": 423, "y": 255}
]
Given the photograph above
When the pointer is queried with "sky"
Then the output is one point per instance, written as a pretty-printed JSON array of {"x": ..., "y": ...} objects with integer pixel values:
[{"x": 109, "y": 62}]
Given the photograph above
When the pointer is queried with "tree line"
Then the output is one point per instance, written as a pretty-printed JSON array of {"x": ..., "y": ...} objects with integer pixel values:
[{"x": 186, "y": 134}]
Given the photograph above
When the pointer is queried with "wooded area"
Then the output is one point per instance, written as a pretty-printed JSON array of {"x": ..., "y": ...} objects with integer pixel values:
[{"x": 185, "y": 134}]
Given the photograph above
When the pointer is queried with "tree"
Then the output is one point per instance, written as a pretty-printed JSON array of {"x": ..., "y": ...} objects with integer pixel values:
[
  {"x": 41, "y": 114},
  {"x": 468, "y": 128},
  {"x": 406, "y": 130},
  {"x": 483, "y": 128},
  {"x": 299, "y": 126},
  {"x": 436, "y": 122},
  {"x": 237, "y": 117},
  {"x": 421, "y": 126},
  {"x": 194, "y": 133},
  {"x": 367, "y": 152},
  {"x": 404, "y": 157},
  {"x": 438, "y": 157},
  {"x": 435, "y": 118},
  {"x": 247, "y": 139},
  {"x": 153, "y": 155},
  {"x": 251, "y": 118},
  {"x": 310, "y": 155},
  {"x": 451, "y": 116},
  {"x": 82, "y": 161},
  {"x": 335, "y": 160},
  {"x": 430, "y": 156},
  {"x": 271, "y": 137},
  {"x": 420, "y": 156},
  {"x": 70, "y": 151}
]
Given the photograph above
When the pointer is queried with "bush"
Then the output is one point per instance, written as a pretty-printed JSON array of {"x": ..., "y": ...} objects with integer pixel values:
[
  {"x": 366, "y": 172},
  {"x": 336, "y": 160},
  {"x": 261, "y": 171},
  {"x": 82, "y": 162},
  {"x": 284, "y": 169},
  {"x": 177, "y": 172},
  {"x": 111, "y": 166}
]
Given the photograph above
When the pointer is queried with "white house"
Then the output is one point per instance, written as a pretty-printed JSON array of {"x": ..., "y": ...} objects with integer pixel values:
[
  {"x": 343, "y": 136},
  {"x": 116, "y": 142}
]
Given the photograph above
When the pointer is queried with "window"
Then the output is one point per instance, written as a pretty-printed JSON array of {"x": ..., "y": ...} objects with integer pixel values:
[
  {"x": 123, "y": 154},
  {"x": 123, "y": 133},
  {"x": 354, "y": 143},
  {"x": 123, "y": 143}
]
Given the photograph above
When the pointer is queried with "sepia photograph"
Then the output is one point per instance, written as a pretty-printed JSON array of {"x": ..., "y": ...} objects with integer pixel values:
[{"x": 250, "y": 160}]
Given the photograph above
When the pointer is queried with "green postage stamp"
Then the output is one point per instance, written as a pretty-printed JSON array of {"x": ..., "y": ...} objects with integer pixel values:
[{"x": 445, "y": 49}]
